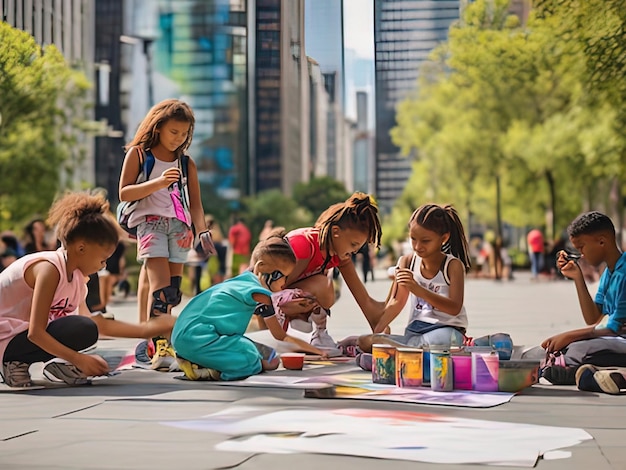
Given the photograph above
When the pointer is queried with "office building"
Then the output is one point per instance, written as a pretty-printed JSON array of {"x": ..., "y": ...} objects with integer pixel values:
[
  {"x": 280, "y": 158},
  {"x": 405, "y": 31},
  {"x": 325, "y": 44}
]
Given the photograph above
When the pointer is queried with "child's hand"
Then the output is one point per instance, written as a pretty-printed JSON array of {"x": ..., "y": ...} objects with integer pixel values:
[
  {"x": 404, "y": 277},
  {"x": 170, "y": 176},
  {"x": 206, "y": 243},
  {"x": 568, "y": 267},
  {"x": 298, "y": 306},
  {"x": 91, "y": 365},
  {"x": 557, "y": 342}
]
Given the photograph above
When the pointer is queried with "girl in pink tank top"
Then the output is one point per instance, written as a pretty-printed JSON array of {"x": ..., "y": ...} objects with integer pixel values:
[{"x": 43, "y": 315}]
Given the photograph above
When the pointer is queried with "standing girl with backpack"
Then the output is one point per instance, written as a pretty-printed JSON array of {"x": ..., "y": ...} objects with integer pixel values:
[{"x": 169, "y": 206}]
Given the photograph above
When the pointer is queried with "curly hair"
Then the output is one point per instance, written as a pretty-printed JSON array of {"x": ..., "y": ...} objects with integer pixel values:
[
  {"x": 358, "y": 212},
  {"x": 82, "y": 216},
  {"x": 589, "y": 223},
  {"x": 442, "y": 220},
  {"x": 146, "y": 136}
]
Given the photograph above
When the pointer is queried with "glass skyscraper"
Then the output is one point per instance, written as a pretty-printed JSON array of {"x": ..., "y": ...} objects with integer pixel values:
[
  {"x": 405, "y": 31},
  {"x": 201, "y": 54}
]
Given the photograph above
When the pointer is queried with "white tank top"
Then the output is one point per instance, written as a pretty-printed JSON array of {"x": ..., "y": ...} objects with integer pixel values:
[
  {"x": 159, "y": 202},
  {"x": 440, "y": 284}
]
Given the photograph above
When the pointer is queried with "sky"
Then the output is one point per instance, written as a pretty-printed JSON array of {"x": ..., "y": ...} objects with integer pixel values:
[{"x": 359, "y": 27}]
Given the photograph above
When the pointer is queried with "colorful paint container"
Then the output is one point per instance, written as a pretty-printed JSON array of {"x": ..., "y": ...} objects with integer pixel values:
[
  {"x": 383, "y": 364},
  {"x": 462, "y": 371},
  {"x": 409, "y": 367},
  {"x": 426, "y": 366},
  {"x": 485, "y": 367},
  {"x": 441, "y": 378}
]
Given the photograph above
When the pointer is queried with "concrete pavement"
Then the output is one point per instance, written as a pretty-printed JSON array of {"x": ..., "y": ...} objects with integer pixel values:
[{"x": 116, "y": 422}]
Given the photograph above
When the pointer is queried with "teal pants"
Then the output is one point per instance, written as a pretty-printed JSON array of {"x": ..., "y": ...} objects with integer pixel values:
[{"x": 235, "y": 356}]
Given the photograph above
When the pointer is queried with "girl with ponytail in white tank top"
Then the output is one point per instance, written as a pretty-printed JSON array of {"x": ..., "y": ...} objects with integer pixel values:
[{"x": 433, "y": 276}]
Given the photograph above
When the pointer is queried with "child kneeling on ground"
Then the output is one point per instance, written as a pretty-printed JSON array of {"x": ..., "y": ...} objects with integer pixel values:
[{"x": 208, "y": 336}]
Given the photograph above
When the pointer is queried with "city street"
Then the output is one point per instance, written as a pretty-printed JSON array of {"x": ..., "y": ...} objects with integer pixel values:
[{"x": 117, "y": 423}]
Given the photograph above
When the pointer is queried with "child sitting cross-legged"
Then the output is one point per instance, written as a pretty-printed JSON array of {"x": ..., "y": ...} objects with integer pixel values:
[{"x": 208, "y": 336}]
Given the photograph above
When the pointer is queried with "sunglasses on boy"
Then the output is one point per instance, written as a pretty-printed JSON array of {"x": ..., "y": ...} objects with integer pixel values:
[{"x": 272, "y": 277}]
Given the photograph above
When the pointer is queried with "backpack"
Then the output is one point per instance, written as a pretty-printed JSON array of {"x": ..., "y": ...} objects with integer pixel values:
[{"x": 146, "y": 164}]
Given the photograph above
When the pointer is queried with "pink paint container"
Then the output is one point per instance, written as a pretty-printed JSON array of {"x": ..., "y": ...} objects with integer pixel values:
[
  {"x": 485, "y": 368},
  {"x": 462, "y": 371}
]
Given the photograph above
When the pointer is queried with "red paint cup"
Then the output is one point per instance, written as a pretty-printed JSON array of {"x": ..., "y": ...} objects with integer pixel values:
[{"x": 292, "y": 361}]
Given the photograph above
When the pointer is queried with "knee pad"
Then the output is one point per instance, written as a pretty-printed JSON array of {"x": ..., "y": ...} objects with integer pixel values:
[{"x": 163, "y": 299}]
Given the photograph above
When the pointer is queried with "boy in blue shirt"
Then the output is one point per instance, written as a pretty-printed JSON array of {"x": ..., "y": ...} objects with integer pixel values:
[{"x": 601, "y": 342}]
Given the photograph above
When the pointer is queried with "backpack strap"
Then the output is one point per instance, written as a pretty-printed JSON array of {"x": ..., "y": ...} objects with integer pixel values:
[
  {"x": 183, "y": 164},
  {"x": 147, "y": 164}
]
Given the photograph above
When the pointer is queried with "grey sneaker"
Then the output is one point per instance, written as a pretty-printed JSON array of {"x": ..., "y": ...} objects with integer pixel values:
[
  {"x": 58, "y": 370},
  {"x": 15, "y": 374},
  {"x": 322, "y": 340}
]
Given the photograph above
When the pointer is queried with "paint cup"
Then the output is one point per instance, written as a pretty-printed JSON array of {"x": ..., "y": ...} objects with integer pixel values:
[
  {"x": 441, "y": 379},
  {"x": 383, "y": 364},
  {"x": 292, "y": 361},
  {"x": 462, "y": 371},
  {"x": 426, "y": 366},
  {"x": 485, "y": 368},
  {"x": 409, "y": 367}
]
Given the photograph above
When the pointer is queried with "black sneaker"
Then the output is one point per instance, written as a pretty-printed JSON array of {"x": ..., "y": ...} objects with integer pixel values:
[
  {"x": 560, "y": 375},
  {"x": 585, "y": 380}
]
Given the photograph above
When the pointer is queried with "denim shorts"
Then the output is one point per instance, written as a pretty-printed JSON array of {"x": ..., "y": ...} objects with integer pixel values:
[{"x": 163, "y": 237}]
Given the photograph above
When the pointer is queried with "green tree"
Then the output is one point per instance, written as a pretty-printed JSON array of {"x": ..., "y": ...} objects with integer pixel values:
[
  {"x": 319, "y": 194},
  {"x": 274, "y": 205},
  {"x": 40, "y": 97}
]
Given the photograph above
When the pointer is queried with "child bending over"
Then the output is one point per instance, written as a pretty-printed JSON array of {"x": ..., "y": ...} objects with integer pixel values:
[{"x": 209, "y": 334}]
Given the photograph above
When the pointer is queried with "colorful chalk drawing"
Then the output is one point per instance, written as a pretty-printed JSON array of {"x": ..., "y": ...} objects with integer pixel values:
[{"x": 400, "y": 435}]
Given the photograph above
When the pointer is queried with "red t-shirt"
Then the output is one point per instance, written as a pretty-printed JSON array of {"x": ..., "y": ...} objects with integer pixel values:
[
  {"x": 305, "y": 244},
  {"x": 239, "y": 238},
  {"x": 535, "y": 241}
]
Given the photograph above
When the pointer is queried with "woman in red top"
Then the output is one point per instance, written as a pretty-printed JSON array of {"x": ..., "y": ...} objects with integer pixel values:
[{"x": 337, "y": 235}]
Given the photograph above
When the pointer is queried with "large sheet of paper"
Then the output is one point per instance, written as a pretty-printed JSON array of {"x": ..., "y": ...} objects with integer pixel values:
[{"x": 401, "y": 435}]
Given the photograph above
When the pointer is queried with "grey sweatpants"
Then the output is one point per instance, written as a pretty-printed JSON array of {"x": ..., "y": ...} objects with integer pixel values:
[{"x": 603, "y": 352}]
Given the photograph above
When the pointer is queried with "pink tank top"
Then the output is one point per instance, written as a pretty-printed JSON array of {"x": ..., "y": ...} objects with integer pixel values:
[{"x": 16, "y": 296}]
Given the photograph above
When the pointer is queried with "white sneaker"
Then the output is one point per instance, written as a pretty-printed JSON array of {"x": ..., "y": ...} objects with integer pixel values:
[
  {"x": 322, "y": 340},
  {"x": 59, "y": 370}
]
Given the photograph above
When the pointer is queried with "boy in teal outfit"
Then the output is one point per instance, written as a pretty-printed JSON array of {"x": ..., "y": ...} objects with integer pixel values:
[
  {"x": 208, "y": 336},
  {"x": 600, "y": 343}
]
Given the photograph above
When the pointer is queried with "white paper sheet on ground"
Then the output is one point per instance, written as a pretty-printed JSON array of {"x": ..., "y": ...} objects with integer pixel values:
[
  {"x": 402, "y": 435},
  {"x": 361, "y": 388},
  {"x": 276, "y": 381}
]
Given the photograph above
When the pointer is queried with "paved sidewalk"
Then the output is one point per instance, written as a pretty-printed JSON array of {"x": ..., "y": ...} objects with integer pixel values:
[{"x": 116, "y": 422}]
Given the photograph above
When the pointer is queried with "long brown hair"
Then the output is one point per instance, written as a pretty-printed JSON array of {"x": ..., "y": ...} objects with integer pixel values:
[
  {"x": 442, "y": 220},
  {"x": 146, "y": 136},
  {"x": 358, "y": 212}
]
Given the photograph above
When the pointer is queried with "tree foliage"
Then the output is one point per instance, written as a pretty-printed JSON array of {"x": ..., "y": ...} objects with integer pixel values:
[
  {"x": 506, "y": 120},
  {"x": 39, "y": 101},
  {"x": 275, "y": 206},
  {"x": 319, "y": 194}
]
